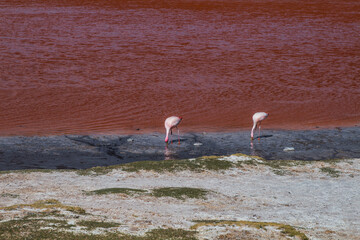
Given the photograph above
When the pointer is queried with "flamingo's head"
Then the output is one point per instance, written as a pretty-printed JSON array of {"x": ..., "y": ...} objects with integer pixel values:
[
  {"x": 166, "y": 139},
  {"x": 181, "y": 117}
]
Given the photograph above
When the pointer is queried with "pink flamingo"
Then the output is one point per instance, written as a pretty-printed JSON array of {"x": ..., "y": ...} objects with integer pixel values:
[
  {"x": 170, "y": 123},
  {"x": 257, "y": 118}
]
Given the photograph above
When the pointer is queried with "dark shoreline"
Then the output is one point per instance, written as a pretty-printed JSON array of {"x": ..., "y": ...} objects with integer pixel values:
[{"x": 85, "y": 151}]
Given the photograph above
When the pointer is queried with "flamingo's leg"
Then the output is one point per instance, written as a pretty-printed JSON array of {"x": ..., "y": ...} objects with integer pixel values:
[
  {"x": 170, "y": 136},
  {"x": 259, "y": 128},
  {"x": 178, "y": 134}
]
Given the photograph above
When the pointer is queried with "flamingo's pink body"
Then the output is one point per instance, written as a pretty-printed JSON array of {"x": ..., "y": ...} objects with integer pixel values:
[
  {"x": 170, "y": 123},
  {"x": 257, "y": 118}
]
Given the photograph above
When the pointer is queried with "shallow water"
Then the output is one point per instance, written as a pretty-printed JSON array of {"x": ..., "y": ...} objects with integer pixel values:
[
  {"x": 117, "y": 66},
  {"x": 85, "y": 151}
]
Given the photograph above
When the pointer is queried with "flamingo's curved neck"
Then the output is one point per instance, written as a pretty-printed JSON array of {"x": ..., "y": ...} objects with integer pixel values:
[{"x": 167, "y": 135}]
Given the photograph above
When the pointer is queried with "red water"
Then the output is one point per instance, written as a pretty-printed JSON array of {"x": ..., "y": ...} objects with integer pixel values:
[{"x": 115, "y": 66}]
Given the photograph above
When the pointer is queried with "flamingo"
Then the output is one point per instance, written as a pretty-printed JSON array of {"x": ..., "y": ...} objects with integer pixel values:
[
  {"x": 257, "y": 118},
  {"x": 170, "y": 123}
]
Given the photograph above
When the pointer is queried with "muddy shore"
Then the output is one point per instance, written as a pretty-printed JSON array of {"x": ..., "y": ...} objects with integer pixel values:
[
  {"x": 292, "y": 185},
  {"x": 85, "y": 151}
]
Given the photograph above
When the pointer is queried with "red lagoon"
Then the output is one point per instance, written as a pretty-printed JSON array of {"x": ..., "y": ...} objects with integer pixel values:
[{"x": 119, "y": 66}]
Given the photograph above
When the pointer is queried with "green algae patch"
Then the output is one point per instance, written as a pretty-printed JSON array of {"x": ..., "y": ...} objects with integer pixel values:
[
  {"x": 332, "y": 172},
  {"x": 44, "y": 229},
  {"x": 127, "y": 191},
  {"x": 45, "y": 214},
  {"x": 285, "y": 229},
  {"x": 174, "y": 192},
  {"x": 49, "y": 204},
  {"x": 90, "y": 225},
  {"x": 170, "y": 233},
  {"x": 36, "y": 171},
  {"x": 285, "y": 163},
  {"x": 59, "y": 229},
  {"x": 197, "y": 165},
  {"x": 205, "y": 163},
  {"x": 280, "y": 172},
  {"x": 211, "y": 163},
  {"x": 180, "y": 192},
  {"x": 33, "y": 229},
  {"x": 214, "y": 163},
  {"x": 9, "y": 195}
]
